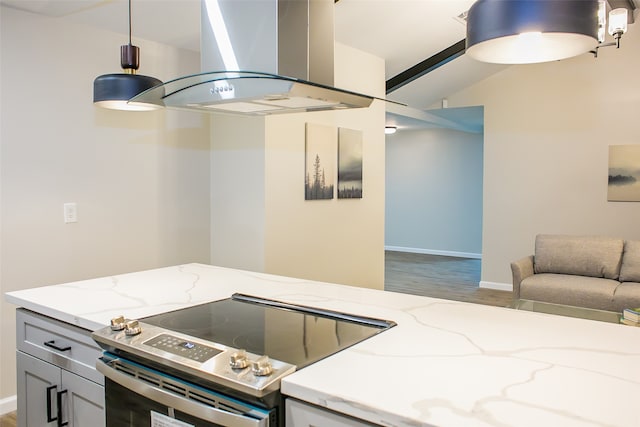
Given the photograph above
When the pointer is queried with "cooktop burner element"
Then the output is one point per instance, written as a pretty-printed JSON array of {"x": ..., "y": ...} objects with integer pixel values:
[{"x": 245, "y": 343}]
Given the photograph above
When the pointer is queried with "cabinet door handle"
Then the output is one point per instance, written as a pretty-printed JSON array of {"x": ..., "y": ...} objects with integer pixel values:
[
  {"x": 59, "y": 402},
  {"x": 51, "y": 418},
  {"x": 53, "y": 345}
]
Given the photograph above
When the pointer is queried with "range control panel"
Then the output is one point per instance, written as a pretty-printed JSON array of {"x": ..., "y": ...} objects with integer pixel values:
[
  {"x": 180, "y": 347},
  {"x": 235, "y": 368}
]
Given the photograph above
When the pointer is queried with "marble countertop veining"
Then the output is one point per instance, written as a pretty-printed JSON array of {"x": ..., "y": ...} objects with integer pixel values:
[{"x": 446, "y": 363}]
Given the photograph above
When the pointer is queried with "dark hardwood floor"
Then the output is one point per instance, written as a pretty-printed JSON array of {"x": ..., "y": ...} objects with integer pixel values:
[
  {"x": 418, "y": 274},
  {"x": 440, "y": 277}
]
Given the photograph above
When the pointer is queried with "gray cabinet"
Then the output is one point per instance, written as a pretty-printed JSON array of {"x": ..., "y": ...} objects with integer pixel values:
[
  {"x": 35, "y": 377},
  {"x": 301, "y": 414},
  {"x": 85, "y": 400},
  {"x": 58, "y": 384}
]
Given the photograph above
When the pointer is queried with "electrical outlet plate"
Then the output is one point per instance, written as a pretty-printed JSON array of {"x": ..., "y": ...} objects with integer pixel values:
[{"x": 70, "y": 213}]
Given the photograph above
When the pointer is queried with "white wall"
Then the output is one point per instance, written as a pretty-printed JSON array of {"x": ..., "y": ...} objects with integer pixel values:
[
  {"x": 264, "y": 223},
  {"x": 434, "y": 192},
  {"x": 547, "y": 132},
  {"x": 140, "y": 180},
  {"x": 238, "y": 192},
  {"x": 338, "y": 240}
]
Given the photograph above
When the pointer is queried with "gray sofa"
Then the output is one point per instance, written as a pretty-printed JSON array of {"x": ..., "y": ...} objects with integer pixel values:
[{"x": 584, "y": 271}]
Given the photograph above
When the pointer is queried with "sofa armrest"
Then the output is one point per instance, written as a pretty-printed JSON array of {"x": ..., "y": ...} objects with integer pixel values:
[{"x": 521, "y": 269}]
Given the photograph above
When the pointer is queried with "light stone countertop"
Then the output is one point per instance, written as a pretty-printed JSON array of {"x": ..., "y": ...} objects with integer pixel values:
[{"x": 446, "y": 363}]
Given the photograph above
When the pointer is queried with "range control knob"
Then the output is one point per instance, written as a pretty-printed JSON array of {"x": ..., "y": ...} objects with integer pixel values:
[
  {"x": 239, "y": 360},
  {"x": 117, "y": 323},
  {"x": 261, "y": 367},
  {"x": 132, "y": 327}
]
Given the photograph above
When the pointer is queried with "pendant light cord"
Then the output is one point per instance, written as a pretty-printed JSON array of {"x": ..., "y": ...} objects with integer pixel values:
[
  {"x": 129, "y": 22},
  {"x": 129, "y": 54}
]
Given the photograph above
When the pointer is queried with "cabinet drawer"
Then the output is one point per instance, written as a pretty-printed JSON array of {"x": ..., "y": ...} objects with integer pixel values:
[
  {"x": 59, "y": 343},
  {"x": 301, "y": 414}
]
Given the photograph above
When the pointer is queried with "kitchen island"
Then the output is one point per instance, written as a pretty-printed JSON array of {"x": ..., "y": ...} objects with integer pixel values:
[{"x": 446, "y": 363}]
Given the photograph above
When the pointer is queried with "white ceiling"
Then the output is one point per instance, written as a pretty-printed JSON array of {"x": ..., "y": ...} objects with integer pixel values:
[
  {"x": 403, "y": 32},
  {"x": 406, "y": 32}
]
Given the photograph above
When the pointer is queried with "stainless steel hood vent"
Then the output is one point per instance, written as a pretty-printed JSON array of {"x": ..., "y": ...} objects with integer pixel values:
[
  {"x": 286, "y": 48},
  {"x": 249, "y": 93}
]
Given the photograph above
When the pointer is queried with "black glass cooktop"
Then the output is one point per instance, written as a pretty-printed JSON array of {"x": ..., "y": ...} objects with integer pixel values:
[{"x": 290, "y": 333}]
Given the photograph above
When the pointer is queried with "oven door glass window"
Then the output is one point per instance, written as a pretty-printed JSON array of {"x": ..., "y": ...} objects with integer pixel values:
[{"x": 139, "y": 397}]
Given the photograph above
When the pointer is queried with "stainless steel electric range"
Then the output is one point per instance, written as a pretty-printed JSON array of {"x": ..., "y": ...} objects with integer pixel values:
[{"x": 219, "y": 363}]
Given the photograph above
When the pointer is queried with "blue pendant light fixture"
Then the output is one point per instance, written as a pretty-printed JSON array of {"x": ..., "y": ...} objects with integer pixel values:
[
  {"x": 115, "y": 90},
  {"x": 530, "y": 31}
]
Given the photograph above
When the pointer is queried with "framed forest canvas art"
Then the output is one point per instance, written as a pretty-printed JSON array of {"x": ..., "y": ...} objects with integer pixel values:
[
  {"x": 320, "y": 161},
  {"x": 349, "y": 164}
]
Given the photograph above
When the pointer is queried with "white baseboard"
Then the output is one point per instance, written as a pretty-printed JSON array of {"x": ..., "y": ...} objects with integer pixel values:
[
  {"x": 433, "y": 252},
  {"x": 496, "y": 286},
  {"x": 8, "y": 404}
]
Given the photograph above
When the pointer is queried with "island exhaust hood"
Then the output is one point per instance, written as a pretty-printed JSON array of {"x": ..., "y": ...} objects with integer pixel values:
[{"x": 270, "y": 57}]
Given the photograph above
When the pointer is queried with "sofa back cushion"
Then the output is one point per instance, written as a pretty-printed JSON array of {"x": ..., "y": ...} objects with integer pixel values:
[
  {"x": 591, "y": 256},
  {"x": 630, "y": 269}
]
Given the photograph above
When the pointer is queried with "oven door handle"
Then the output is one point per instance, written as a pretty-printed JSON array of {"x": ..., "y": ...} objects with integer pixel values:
[{"x": 182, "y": 404}]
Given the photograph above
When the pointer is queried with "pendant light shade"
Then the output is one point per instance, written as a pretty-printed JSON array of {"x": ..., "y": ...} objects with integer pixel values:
[
  {"x": 530, "y": 31},
  {"x": 114, "y": 91}
]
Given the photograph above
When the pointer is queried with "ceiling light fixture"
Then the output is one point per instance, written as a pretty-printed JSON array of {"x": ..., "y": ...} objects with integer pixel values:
[
  {"x": 531, "y": 31},
  {"x": 618, "y": 19},
  {"x": 115, "y": 90},
  {"x": 389, "y": 130},
  {"x": 618, "y": 23}
]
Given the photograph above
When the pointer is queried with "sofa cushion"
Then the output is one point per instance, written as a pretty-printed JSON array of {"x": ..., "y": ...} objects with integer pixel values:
[
  {"x": 580, "y": 291},
  {"x": 627, "y": 295},
  {"x": 630, "y": 269},
  {"x": 591, "y": 256}
]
